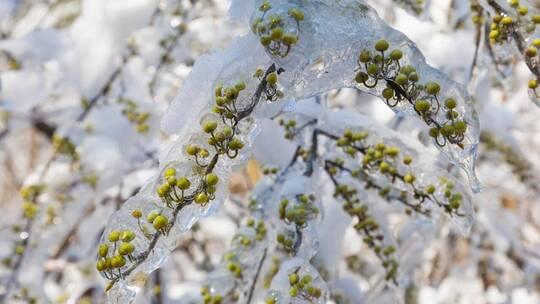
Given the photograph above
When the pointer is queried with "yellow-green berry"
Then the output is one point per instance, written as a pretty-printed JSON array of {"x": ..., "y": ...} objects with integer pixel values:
[
  {"x": 127, "y": 236},
  {"x": 136, "y": 213},
  {"x": 209, "y": 126},
  {"x": 125, "y": 248},
  {"x": 211, "y": 179},
  {"x": 118, "y": 261},
  {"x": 192, "y": 150},
  {"x": 396, "y": 54},
  {"x": 201, "y": 198},
  {"x": 382, "y": 45},
  {"x": 183, "y": 183},
  {"x": 236, "y": 144},
  {"x": 160, "y": 222},
  {"x": 114, "y": 236},
  {"x": 409, "y": 178},
  {"x": 272, "y": 78},
  {"x": 103, "y": 250},
  {"x": 422, "y": 105},
  {"x": 432, "y": 88},
  {"x": 533, "y": 84}
]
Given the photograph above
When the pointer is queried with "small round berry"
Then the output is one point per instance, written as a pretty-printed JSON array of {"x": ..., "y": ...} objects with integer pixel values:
[
  {"x": 270, "y": 300},
  {"x": 452, "y": 114},
  {"x": 266, "y": 40},
  {"x": 433, "y": 132},
  {"x": 414, "y": 77},
  {"x": 127, "y": 236},
  {"x": 297, "y": 14},
  {"x": 152, "y": 216},
  {"x": 372, "y": 69},
  {"x": 240, "y": 86},
  {"x": 454, "y": 204},
  {"x": 364, "y": 57},
  {"x": 101, "y": 265},
  {"x": 183, "y": 183},
  {"x": 507, "y": 21},
  {"x": 388, "y": 93},
  {"x": 523, "y": 10},
  {"x": 192, "y": 150},
  {"x": 204, "y": 153},
  {"x": 293, "y": 278},
  {"x": 408, "y": 69},
  {"x": 125, "y": 248},
  {"x": 382, "y": 45},
  {"x": 118, "y": 261},
  {"x": 531, "y": 51},
  {"x": 211, "y": 179},
  {"x": 402, "y": 79},
  {"x": 160, "y": 222},
  {"x": 447, "y": 130},
  {"x": 533, "y": 84},
  {"x": 201, "y": 198},
  {"x": 290, "y": 39},
  {"x": 383, "y": 167},
  {"x": 103, "y": 250},
  {"x": 136, "y": 213},
  {"x": 407, "y": 160},
  {"x": 236, "y": 144},
  {"x": 265, "y": 6},
  {"x": 409, "y": 178},
  {"x": 114, "y": 236},
  {"x": 494, "y": 34},
  {"x": 432, "y": 88},
  {"x": 217, "y": 90},
  {"x": 277, "y": 33},
  {"x": 272, "y": 78},
  {"x": 396, "y": 54},
  {"x": 450, "y": 103},
  {"x": 460, "y": 126},
  {"x": 209, "y": 126},
  {"x": 422, "y": 105},
  {"x": 361, "y": 77}
]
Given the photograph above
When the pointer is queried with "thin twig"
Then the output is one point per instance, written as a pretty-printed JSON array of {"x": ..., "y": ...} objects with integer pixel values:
[{"x": 256, "y": 278}]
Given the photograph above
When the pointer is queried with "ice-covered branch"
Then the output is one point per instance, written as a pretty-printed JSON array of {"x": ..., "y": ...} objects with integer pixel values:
[{"x": 341, "y": 44}]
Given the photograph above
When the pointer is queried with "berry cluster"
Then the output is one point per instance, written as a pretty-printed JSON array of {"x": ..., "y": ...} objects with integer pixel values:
[
  {"x": 135, "y": 116},
  {"x": 402, "y": 84},
  {"x": 387, "y": 161},
  {"x": 111, "y": 260},
  {"x": 298, "y": 211},
  {"x": 64, "y": 146},
  {"x": 272, "y": 29}
]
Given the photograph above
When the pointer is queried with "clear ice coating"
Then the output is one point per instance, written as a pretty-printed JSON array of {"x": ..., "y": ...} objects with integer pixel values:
[
  {"x": 235, "y": 276},
  {"x": 320, "y": 55},
  {"x": 331, "y": 36},
  {"x": 508, "y": 42},
  {"x": 298, "y": 282},
  {"x": 152, "y": 247},
  {"x": 424, "y": 164}
]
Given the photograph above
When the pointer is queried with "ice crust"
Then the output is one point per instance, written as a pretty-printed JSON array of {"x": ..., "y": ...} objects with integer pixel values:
[{"x": 331, "y": 36}]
